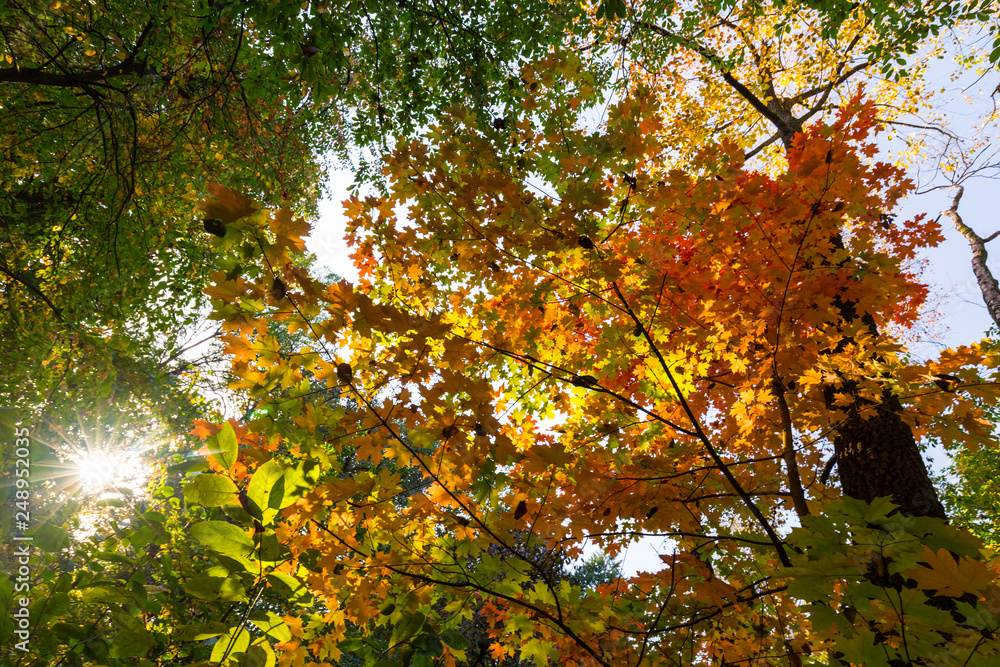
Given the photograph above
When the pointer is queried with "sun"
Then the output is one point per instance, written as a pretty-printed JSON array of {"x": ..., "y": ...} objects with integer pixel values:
[
  {"x": 99, "y": 470},
  {"x": 96, "y": 470}
]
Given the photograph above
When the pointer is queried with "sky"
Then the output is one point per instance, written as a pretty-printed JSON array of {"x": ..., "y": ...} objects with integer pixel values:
[
  {"x": 956, "y": 314},
  {"x": 955, "y": 292},
  {"x": 966, "y": 98}
]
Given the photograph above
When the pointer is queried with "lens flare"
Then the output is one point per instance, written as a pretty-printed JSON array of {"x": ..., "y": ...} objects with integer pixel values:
[{"x": 98, "y": 471}]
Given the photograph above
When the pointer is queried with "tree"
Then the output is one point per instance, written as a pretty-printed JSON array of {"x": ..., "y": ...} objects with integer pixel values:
[
  {"x": 583, "y": 334},
  {"x": 112, "y": 117},
  {"x": 686, "y": 332},
  {"x": 872, "y": 451},
  {"x": 960, "y": 156},
  {"x": 115, "y": 119},
  {"x": 971, "y": 489}
]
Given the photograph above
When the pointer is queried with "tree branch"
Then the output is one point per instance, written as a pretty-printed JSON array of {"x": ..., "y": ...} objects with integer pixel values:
[
  {"x": 469, "y": 584},
  {"x": 35, "y": 289},
  {"x": 38, "y": 77},
  {"x": 987, "y": 283},
  {"x": 696, "y": 425},
  {"x": 785, "y": 130},
  {"x": 788, "y": 452}
]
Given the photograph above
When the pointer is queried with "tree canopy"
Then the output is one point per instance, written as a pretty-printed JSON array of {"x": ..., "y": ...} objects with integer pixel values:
[{"x": 627, "y": 272}]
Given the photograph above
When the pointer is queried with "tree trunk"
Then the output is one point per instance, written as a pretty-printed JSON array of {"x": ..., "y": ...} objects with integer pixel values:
[
  {"x": 876, "y": 452},
  {"x": 878, "y": 456}
]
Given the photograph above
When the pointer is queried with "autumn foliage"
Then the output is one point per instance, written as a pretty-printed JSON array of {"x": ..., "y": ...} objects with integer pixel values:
[{"x": 557, "y": 342}]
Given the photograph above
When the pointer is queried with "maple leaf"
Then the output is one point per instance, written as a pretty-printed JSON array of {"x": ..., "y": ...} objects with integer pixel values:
[
  {"x": 226, "y": 205},
  {"x": 203, "y": 429},
  {"x": 497, "y": 651},
  {"x": 947, "y": 574},
  {"x": 537, "y": 651}
]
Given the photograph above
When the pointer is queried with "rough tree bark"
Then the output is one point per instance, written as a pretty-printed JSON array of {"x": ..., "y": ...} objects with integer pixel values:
[{"x": 878, "y": 456}]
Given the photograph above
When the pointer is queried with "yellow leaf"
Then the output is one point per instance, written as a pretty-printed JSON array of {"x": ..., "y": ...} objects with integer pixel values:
[
  {"x": 537, "y": 651},
  {"x": 947, "y": 576}
]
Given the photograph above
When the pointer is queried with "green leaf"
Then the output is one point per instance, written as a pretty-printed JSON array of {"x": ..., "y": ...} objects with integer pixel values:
[
  {"x": 431, "y": 645},
  {"x": 289, "y": 586},
  {"x": 132, "y": 644},
  {"x": 238, "y": 515},
  {"x": 257, "y": 656},
  {"x": 824, "y": 618},
  {"x": 69, "y": 630},
  {"x": 50, "y": 538},
  {"x": 236, "y": 565},
  {"x": 215, "y": 588},
  {"x": 142, "y": 536},
  {"x": 222, "y": 537},
  {"x": 8, "y": 421},
  {"x": 537, "y": 651},
  {"x": 153, "y": 517},
  {"x": 270, "y": 549},
  {"x": 352, "y": 644},
  {"x": 861, "y": 649},
  {"x": 408, "y": 626},
  {"x": 6, "y": 593},
  {"x": 107, "y": 595},
  {"x": 233, "y": 642},
  {"x": 273, "y": 626},
  {"x": 298, "y": 479},
  {"x": 421, "y": 659},
  {"x": 133, "y": 640},
  {"x": 226, "y": 447},
  {"x": 211, "y": 490},
  {"x": 455, "y": 639},
  {"x": 195, "y": 465},
  {"x": 57, "y": 604},
  {"x": 266, "y": 491},
  {"x": 200, "y": 631}
]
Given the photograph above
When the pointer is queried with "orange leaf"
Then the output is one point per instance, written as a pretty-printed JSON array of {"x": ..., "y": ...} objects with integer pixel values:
[{"x": 225, "y": 205}]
